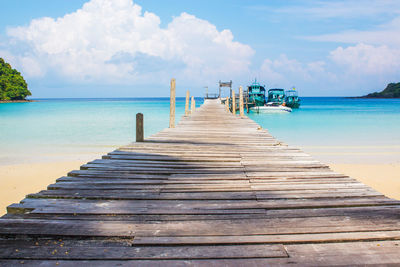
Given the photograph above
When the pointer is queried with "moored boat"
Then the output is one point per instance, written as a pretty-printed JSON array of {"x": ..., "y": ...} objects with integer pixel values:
[
  {"x": 277, "y": 100},
  {"x": 256, "y": 94},
  {"x": 292, "y": 99},
  {"x": 275, "y": 103},
  {"x": 271, "y": 107},
  {"x": 276, "y": 95}
]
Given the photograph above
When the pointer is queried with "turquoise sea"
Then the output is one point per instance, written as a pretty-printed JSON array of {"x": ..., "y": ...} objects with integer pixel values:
[
  {"x": 331, "y": 128},
  {"x": 340, "y": 130}
]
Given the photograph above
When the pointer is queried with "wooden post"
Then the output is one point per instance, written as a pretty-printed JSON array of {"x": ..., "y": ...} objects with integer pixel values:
[
  {"x": 192, "y": 105},
  {"x": 233, "y": 102},
  {"x": 241, "y": 109},
  {"x": 172, "y": 105},
  {"x": 139, "y": 128},
  {"x": 187, "y": 103},
  {"x": 230, "y": 101},
  {"x": 227, "y": 104}
]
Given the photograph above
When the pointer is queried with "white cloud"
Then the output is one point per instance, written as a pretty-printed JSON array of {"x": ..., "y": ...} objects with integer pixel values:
[
  {"x": 206, "y": 51},
  {"x": 286, "y": 72},
  {"x": 352, "y": 70},
  {"x": 8, "y": 57},
  {"x": 270, "y": 72},
  {"x": 366, "y": 60},
  {"x": 107, "y": 41},
  {"x": 31, "y": 67},
  {"x": 385, "y": 34},
  {"x": 341, "y": 9}
]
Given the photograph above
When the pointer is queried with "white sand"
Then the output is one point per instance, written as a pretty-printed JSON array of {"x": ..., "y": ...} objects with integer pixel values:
[
  {"x": 384, "y": 178},
  {"x": 16, "y": 181}
]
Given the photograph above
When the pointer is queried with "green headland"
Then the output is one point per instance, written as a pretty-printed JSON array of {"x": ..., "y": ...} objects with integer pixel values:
[
  {"x": 13, "y": 86},
  {"x": 392, "y": 90}
]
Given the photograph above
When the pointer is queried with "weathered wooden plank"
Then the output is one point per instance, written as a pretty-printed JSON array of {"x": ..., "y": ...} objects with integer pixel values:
[
  {"x": 148, "y": 263},
  {"x": 177, "y": 164},
  {"x": 352, "y": 253},
  {"x": 75, "y": 228},
  {"x": 338, "y": 254},
  {"x": 141, "y": 252},
  {"x": 216, "y": 195},
  {"x": 385, "y": 212},
  {"x": 124, "y": 186},
  {"x": 142, "y": 194},
  {"x": 129, "y": 228},
  {"x": 155, "y": 181},
  {"x": 58, "y": 206},
  {"x": 269, "y": 239}
]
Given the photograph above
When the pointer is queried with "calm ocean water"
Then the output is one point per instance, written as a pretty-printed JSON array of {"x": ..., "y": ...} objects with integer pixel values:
[
  {"x": 56, "y": 127},
  {"x": 340, "y": 130},
  {"x": 337, "y": 121}
]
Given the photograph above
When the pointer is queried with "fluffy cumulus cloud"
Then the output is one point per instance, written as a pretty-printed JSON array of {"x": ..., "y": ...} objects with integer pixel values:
[
  {"x": 367, "y": 59},
  {"x": 351, "y": 70},
  {"x": 360, "y": 59},
  {"x": 360, "y": 68},
  {"x": 116, "y": 42},
  {"x": 283, "y": 67},
  {"x": 285, "y": 72}
]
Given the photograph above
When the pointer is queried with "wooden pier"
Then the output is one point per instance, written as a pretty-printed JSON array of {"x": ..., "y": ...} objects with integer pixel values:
[{"x": 216, "y": 190}]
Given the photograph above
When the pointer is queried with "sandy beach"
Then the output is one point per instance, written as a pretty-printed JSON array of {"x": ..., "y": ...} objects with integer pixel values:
[
  {"x": 18, "y": 180},
  {"x": 384, "y": 178},
  {"x": 376, "y": 166}
]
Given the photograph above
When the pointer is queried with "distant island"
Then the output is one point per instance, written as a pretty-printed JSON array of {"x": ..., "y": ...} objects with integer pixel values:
[
  {"x": 13, "y": 87},
  {"x": 392, "y": 90}
]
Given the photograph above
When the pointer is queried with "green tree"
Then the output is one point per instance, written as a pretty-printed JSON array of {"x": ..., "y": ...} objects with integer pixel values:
[{"x": 12, "y": 84}]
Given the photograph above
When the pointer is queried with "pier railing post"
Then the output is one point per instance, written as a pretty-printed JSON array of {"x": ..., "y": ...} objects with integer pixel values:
[
  {"x": 139, "y": 128},
  {"x": 192, "y": 105},
  {"x": 187, "y": 103},
  {"x": 172, "y": 105},
  {"x": 241, "y": 109},
  {"x": 227, "y": 104},
  {"x": 233, "y": 102}
]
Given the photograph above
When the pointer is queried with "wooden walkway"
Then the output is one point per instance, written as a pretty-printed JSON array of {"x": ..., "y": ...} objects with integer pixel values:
[{"x": 216, "y": 190}]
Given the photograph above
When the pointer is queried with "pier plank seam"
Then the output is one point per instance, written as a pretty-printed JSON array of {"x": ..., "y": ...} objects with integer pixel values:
[{"x": 215, "y": 190}]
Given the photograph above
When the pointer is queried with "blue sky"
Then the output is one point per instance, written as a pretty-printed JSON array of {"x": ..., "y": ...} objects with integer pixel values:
[{"x": 125, "y": 48}]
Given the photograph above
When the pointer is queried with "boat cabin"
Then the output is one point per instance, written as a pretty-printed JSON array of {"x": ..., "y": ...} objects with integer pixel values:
[
  {"x": 276, "y": 95},
  {"x": 292, "y": 99},
  {"x": 256, "y": 94}
]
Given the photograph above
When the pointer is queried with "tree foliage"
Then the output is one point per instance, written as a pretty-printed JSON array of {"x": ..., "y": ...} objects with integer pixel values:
[
  {"x": 392, "y": 90},
  {"x": 12, "y": 84}
]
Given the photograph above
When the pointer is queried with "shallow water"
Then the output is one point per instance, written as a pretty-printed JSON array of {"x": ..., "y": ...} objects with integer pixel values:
[
  {"x": 337, "y": 121},
  {"x": 52, "y": 129},
  {"x": 340, "y": 129},
  {"x": 55, "y": 128}
]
